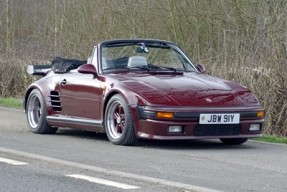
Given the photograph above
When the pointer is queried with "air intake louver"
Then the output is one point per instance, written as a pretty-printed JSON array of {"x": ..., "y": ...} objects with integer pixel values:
[{"x": 55, "y": 101}]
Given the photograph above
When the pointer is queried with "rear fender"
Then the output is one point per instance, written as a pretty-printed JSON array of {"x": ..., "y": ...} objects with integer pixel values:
[{"x": 29, "y": 90}]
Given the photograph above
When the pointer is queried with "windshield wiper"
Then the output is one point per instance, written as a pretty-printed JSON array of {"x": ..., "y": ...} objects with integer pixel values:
[
  {"x": 139, "y": 67},
  {"x": 157, "y": 69},
  {"x": 170, "y": 68},
  {"x": 114, "y": 69}
]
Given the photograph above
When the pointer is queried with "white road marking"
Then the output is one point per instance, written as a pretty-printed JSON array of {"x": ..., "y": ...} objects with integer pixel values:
[
  {"x": 12, "y": 162},
  {"x": 147, "y": 179},
  {"x": 104, "y": 181}
]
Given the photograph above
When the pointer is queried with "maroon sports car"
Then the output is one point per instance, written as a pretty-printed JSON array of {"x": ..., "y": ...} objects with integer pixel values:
[{"x": 140, "y": 88}]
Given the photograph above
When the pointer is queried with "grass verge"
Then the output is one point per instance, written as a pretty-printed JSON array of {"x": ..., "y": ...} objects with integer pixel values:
[
  {"x": 11, "y": 102},
  {"x": 272, "y": 139}
]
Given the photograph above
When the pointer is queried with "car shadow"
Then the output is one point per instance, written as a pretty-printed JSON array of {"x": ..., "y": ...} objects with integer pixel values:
[
  {"x": 210, "y": 144},
  {"x": 82, "y": 134},
  {"x": 204, "y": 144}
]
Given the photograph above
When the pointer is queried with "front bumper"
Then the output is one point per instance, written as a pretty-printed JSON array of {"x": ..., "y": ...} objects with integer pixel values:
[{"x": 187, "y": 118}]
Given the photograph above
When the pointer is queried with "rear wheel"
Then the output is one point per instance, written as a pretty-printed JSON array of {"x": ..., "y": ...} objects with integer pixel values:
[
  {"x": 36, "y": 113},
  {"x": 233, "y": 141},
  {"x": 118, "y": 122}
]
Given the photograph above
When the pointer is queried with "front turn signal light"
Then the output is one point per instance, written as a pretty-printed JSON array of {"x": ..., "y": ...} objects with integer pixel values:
[
  {"x": 260, "y": 114},
  {"x": 166, "y": 115}
]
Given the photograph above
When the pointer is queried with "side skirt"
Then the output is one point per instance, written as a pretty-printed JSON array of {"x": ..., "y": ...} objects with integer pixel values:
[{"x": 77, "y": 123}]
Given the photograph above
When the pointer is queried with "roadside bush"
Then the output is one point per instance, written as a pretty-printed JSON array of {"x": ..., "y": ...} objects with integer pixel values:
[{"x": 13, "y": 77}]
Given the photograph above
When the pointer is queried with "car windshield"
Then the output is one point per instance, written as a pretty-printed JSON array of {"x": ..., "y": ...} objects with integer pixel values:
[{"x": 144, "y": 56}]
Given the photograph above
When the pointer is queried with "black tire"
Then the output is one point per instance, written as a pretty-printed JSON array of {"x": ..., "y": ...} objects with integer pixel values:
[
  {"x": 118, "y": 122},
  {"x": 233, "y": 141},
  {"x": 36, "y": 113}
]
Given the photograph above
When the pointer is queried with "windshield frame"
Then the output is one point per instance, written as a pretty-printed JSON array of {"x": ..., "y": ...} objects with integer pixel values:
[{"x": 187, "y": 65}]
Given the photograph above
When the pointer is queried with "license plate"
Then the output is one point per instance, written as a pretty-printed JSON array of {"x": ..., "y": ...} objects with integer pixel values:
[{"x": 221, "y": 118}]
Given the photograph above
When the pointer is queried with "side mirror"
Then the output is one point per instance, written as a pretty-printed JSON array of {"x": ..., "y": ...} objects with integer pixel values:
[
  {"x": 201, "y": 68},
  {"x": 88, "y": 69}
]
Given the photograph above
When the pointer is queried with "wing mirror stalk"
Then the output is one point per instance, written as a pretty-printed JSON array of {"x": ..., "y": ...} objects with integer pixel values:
[{"x": 201, "y": 68}]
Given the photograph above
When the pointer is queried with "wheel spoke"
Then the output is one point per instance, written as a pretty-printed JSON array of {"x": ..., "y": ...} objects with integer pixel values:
[
  {"x": 118, "y": 128},
  {"x": 120, "y": 109},
  {"x": 114, "y": 122},
  {"x": 122, "y": 126},
  {"x": 38, "y": 111},
  {"x": 116, "y": 115}
]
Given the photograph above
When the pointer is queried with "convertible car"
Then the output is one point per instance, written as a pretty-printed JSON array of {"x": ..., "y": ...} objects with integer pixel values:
[{"x": 134, "y": 89}]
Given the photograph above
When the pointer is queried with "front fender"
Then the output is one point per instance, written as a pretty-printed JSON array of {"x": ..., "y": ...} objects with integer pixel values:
[{"x": 133, "y": 101}]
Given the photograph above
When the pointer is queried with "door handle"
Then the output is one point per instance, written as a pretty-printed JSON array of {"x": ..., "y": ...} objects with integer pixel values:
[{"x": 64, "y": 82}]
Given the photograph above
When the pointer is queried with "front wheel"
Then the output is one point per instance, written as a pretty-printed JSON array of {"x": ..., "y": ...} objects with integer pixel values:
[
  {"x": 36, "y": 113},
  {"x": 233, "y": 141},
  {"x": 118, "y": 122}
]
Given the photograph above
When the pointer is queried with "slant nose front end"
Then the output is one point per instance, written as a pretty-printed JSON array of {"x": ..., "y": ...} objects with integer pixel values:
[{"x": 197, "y": 123}]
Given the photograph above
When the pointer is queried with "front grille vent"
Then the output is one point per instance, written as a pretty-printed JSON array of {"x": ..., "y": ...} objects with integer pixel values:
[
  {"x": 216, "y": 130},
  {"x": 55, "y": 101}
]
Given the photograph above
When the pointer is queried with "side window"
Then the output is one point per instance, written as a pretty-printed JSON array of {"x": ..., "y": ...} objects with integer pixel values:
[
  {"x": 95, "y": 57},
  {"x": 89, "y": 61}
]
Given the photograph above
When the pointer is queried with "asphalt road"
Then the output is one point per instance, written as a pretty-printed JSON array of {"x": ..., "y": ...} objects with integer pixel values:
[{"x": 74, "y": 160}]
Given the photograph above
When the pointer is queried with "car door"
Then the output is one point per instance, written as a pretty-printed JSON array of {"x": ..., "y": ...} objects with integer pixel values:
[{"x": 81, "y": 95}]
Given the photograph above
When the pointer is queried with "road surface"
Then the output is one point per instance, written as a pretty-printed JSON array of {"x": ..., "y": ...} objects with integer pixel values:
[{"x": 74, "y": 160}]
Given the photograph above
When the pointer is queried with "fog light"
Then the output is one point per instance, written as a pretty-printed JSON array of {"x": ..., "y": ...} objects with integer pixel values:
[
  {"x": 254, "y": 127},
  {"x": 174, "y": 129}
]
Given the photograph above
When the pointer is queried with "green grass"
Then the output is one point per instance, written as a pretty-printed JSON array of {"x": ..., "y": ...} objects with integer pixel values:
[
  {"x": 272, "y": 139},
  {"x": 11, "y": 102}
]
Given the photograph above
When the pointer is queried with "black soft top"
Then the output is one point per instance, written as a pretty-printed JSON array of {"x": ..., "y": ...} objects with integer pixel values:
[{"x": 62, "y": 65}]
